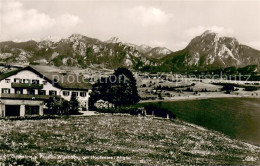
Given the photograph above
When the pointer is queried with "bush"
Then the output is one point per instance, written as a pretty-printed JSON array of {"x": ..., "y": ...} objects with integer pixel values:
[
  {"x": 73, "y": 105},
  {"x": 189, "y": 89},
  {"x": 159, "y": 112},
  {"x": 228, "y": 88},
  {"x": 54, "y": 105},
  {"x": 250, "y": 88},
  {"x": 149, "y": 109},
  {"x": 160, "y": 96},
  {"x": 123, "y": 110},
  {"x": 59, "y": 106}
]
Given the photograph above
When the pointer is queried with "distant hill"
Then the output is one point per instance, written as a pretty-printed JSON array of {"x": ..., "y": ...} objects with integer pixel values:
[{"x": 205, "y": 52}]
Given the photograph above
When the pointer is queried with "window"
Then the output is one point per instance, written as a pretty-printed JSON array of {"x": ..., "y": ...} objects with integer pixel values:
[
  {"x": 35, "y": 81},
  {"x": 52, "y": 92},
  {"x": 27, "y": 81},
  {"x": 83, "y": 94},
  {"x": 74, "y": 93},
  {"x": 18, "y": 91},
  {"x": 44, "y": 82},
  {"x": 7, "y": 80},
  {"x": 41, "y": 92},
  {"x": 30, "y": 92},
  {"x": 18, "y": 80},
  {"x": 66, "y": 93},
  {"x": 5, "y": 90}
]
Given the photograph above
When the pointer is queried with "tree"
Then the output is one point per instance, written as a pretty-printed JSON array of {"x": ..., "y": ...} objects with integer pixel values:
[
  {"x": 55, "y": 105},
  {"x": 60, "y": 106},
  {"x": 73, "y": 105},
  {"x": 228, "y": 88},
  {"x": 100, "y": 90},
  {"x": 124, "y": 88},
  {"x": 66, "y": 107},
  {"x": 160, "y": 96},
  {"x": 119, "y": 89}
]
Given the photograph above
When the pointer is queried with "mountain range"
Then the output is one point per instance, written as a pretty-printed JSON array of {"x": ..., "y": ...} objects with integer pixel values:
[{"x": 204, "y": 52}]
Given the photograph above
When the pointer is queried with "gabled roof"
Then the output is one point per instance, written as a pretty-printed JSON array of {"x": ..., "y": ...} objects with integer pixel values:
[
  {"x": 68, "y": 81},
  {"x": 56, "y": 79},
  {"x": 8, "y": 74},
  {"x": 14, "y": 72}
]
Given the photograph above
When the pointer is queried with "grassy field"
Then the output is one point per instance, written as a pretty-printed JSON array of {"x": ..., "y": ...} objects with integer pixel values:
[
  {"x": 236, "y": 117},
  {"x": 107, "y": 139}
]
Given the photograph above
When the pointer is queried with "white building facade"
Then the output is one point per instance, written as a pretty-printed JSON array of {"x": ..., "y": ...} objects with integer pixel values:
[{"x": 23, "y": 92}]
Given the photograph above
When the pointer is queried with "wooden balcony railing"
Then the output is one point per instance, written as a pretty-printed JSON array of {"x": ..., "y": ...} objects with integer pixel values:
[
  {"x": 27, "y": 86},
  {"x": 24, "y": 96}
]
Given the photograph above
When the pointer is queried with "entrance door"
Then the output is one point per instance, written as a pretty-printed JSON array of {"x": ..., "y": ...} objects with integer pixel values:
[{"x": 12, "y": 110}]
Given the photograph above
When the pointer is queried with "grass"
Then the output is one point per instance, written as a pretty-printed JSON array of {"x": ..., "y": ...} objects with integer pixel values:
[
  {"x": 111, "y": 140},
  {"x": 235, "y": 117}
]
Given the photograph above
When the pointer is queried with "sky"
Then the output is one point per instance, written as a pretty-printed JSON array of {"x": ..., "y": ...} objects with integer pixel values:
[{"x": 165, "y": 23}]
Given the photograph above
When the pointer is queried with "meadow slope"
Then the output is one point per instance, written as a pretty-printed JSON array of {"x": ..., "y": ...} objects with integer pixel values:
[{"x": 107, "y": 139}]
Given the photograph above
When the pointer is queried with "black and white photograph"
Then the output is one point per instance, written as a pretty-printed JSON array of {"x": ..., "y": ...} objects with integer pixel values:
[{"x": 121, "y": 82}]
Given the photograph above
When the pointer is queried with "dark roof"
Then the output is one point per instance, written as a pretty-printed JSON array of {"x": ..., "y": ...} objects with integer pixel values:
[
  {"x": 69, "y": 82},
  {"x": 8, "y": 74}
]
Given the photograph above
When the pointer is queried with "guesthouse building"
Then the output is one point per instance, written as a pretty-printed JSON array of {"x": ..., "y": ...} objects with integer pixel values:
[{"x": 25, "y": 91}]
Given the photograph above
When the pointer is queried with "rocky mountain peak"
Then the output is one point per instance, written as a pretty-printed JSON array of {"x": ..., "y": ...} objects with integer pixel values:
[
  {"x": 162, "y": 50},
  {"x": 208, "y": 32},
  {"x": 210, "y": 50},
  {"x": 114, "y": 40},
  {"x": 76, "y": 36},
  {"x": 210, "y": 39},
  {"x": 50, "y": 39},
  {"x": 144, "y": 48},
  {"x": 207, "y": 51}
]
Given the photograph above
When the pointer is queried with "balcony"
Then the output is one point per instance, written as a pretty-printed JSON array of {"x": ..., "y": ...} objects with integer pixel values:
[
  {"x": 27, "y": 86},
  {"x": 24, "y": 96}
]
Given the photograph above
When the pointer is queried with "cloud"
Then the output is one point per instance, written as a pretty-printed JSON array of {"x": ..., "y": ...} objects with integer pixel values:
[
  {"x": 147, "y": 16},
  {"x": 68, "y": 20},
  {"x": 195, "y": 31},
  {"x": 156, "y": 43},
  {"x": 20, "y": 22}
]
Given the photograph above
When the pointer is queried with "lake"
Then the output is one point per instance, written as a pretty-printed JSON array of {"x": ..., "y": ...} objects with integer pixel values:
[{"x": 236, "y": 117}]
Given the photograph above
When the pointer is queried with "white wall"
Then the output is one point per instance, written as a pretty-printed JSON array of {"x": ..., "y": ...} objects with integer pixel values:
[
  {"x": 26, "y": 74},
  {"x": 83, "y": 100}
]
